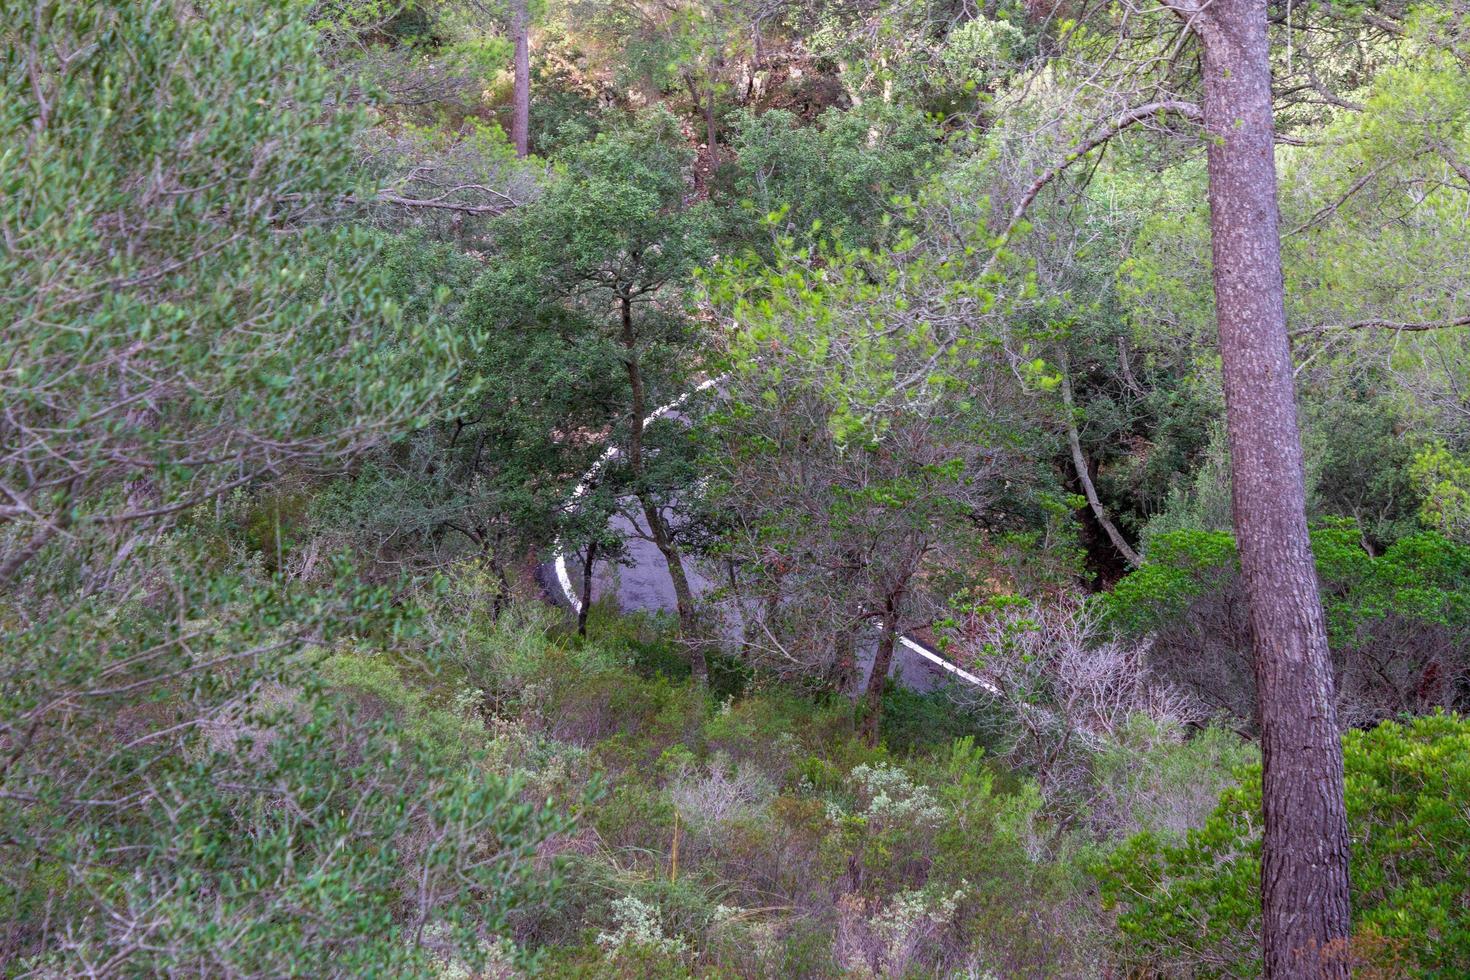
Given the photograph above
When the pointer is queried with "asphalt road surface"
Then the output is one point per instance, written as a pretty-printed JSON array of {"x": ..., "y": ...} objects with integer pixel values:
[{"x": 643, "y": 585}]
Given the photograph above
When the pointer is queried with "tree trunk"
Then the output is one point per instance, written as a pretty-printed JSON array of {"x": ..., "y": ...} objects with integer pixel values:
[
  {"x": 588, "y": 561},
  {"x": 846, "y": 650},
  {"x": 683, "y": 596},
  {"x": 1084, "y": 476},
  {"x": 1304, "y": 868},
  {"x": 657, "y": 528},
  {"x": 878, "y": 679},
  {"x": 711, "y": 131},
  {"x": 520, "y": 120}
]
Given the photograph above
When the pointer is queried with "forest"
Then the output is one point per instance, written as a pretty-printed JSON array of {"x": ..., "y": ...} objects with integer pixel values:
[{"x": 735, "y": 488}]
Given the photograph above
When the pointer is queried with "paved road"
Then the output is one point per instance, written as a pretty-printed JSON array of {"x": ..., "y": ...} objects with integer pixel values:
[{"x": 643, "y": 585}]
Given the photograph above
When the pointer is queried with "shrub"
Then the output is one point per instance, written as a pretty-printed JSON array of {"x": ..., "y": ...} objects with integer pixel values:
[
  {"x": 1399, "y": 622},
  {"x": 1193, "y": 907},
  {"x": 913, "y": 721}
]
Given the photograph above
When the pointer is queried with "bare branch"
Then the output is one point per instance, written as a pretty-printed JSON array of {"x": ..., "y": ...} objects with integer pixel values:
[
  {"x": 1119, "y": 123},
  {"x": 1394, "y": 325},
  {"x": 1085, "y": 478}
]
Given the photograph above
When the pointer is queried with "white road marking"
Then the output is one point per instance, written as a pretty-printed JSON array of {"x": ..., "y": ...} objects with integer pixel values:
[{"x": 563, "y": 577}]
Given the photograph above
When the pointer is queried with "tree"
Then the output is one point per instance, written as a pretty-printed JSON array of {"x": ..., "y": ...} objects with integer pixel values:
[
  {"x": 487, "y": 483},
  {"x": 833, "y": 178},
  {"x": 1304, "y": 858},
  {"x": 604, "y": 255},
  {"x": 1304, "y": 881},
  {"x": 187, "y": 309},
  {"x": 859, "y": 460},
  {"x": 198, "y": 775}
]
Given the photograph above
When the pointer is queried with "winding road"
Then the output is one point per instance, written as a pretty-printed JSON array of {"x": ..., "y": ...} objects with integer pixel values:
[{"x": 642, "y": 584}]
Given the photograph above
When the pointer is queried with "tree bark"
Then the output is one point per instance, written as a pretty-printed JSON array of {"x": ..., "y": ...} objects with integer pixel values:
[
  {"x": 878, "y": 678},
  {"x": 846, "y": 648},
  {"x": 657, "y": 527},
  {"x": 588, "y": 561},
  {"x": 520, "y": 120},
  {"x": 1304, "y": 867}
]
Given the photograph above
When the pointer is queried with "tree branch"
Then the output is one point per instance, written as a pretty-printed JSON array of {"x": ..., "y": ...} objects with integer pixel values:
[
  {"x": 1085, "y": 478},
  {"x": 1331, "y": 209},
  {"x": 1119, "y": 123},
  {"x": 1395, "y": 325}
]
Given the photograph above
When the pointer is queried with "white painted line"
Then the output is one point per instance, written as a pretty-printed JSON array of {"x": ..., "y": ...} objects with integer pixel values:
[
  {"x": 962, "y": 674},
  {"x": 563, "y": 577}
]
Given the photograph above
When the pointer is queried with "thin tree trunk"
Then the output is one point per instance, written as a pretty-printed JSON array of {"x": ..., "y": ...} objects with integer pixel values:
[
  {"x": 1079, "y": 462},
  {"x": 520, "y": 120},
  {"x": 878, "y": 679},
  {"x": 846, "y": 649},
  {"x": 588, "y": 561},
  {"x": 683, "y": 596},
  {"x": 712, "y": 135},
  {"x": 657, "y": 527},
  {"x": 1304, "y": 867}
]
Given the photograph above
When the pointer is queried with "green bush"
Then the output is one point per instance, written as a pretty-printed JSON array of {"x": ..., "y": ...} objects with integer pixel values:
[
  {"x": 832, "y": 179},
  {"x": 1193, "y": 906},
  {"x": 913, "y": 722},
  {"x": 1398, "y": 621}
]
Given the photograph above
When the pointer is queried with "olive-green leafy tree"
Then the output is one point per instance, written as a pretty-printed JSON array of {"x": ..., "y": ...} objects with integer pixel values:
[
  {"x": 863, "y": 451},
  {"x": 189, "y": 782},
  {"x": 597, "y": 266},
  {"x": 489, "y": 482}
]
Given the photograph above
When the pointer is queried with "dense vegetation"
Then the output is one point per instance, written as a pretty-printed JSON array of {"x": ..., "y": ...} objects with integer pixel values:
[{"x": 327, "y": 327}]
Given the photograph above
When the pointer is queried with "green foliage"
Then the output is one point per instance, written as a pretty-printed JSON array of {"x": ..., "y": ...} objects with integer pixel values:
[
  {"x": 428, "y": 36},
  {"x": 1444, "y": 480},
  {"x": 924, "y": 54},
  {"x": 1192, "y": 906},
  {"x": 1398, "y": 622},
  {"x": 254, "y": 805},
  {"x": 614, "y": 221},
  {"x": 300, "y": 368},
  {"x": 1157, "y": 777},
  {"x": 830, "y": 179},
  {"x": 1181, "y": 566},
  {"x": 1359, "y": 465},
  {"x": 1420, "y": 577},
  {"x": 912, "y": 722},
  {"x": 180, "y": 308}
]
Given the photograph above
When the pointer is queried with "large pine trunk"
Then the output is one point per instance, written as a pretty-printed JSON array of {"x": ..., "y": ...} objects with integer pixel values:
[
  {"x": 1304, "y": 871},
  {"x": 520, "y": 120}
]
